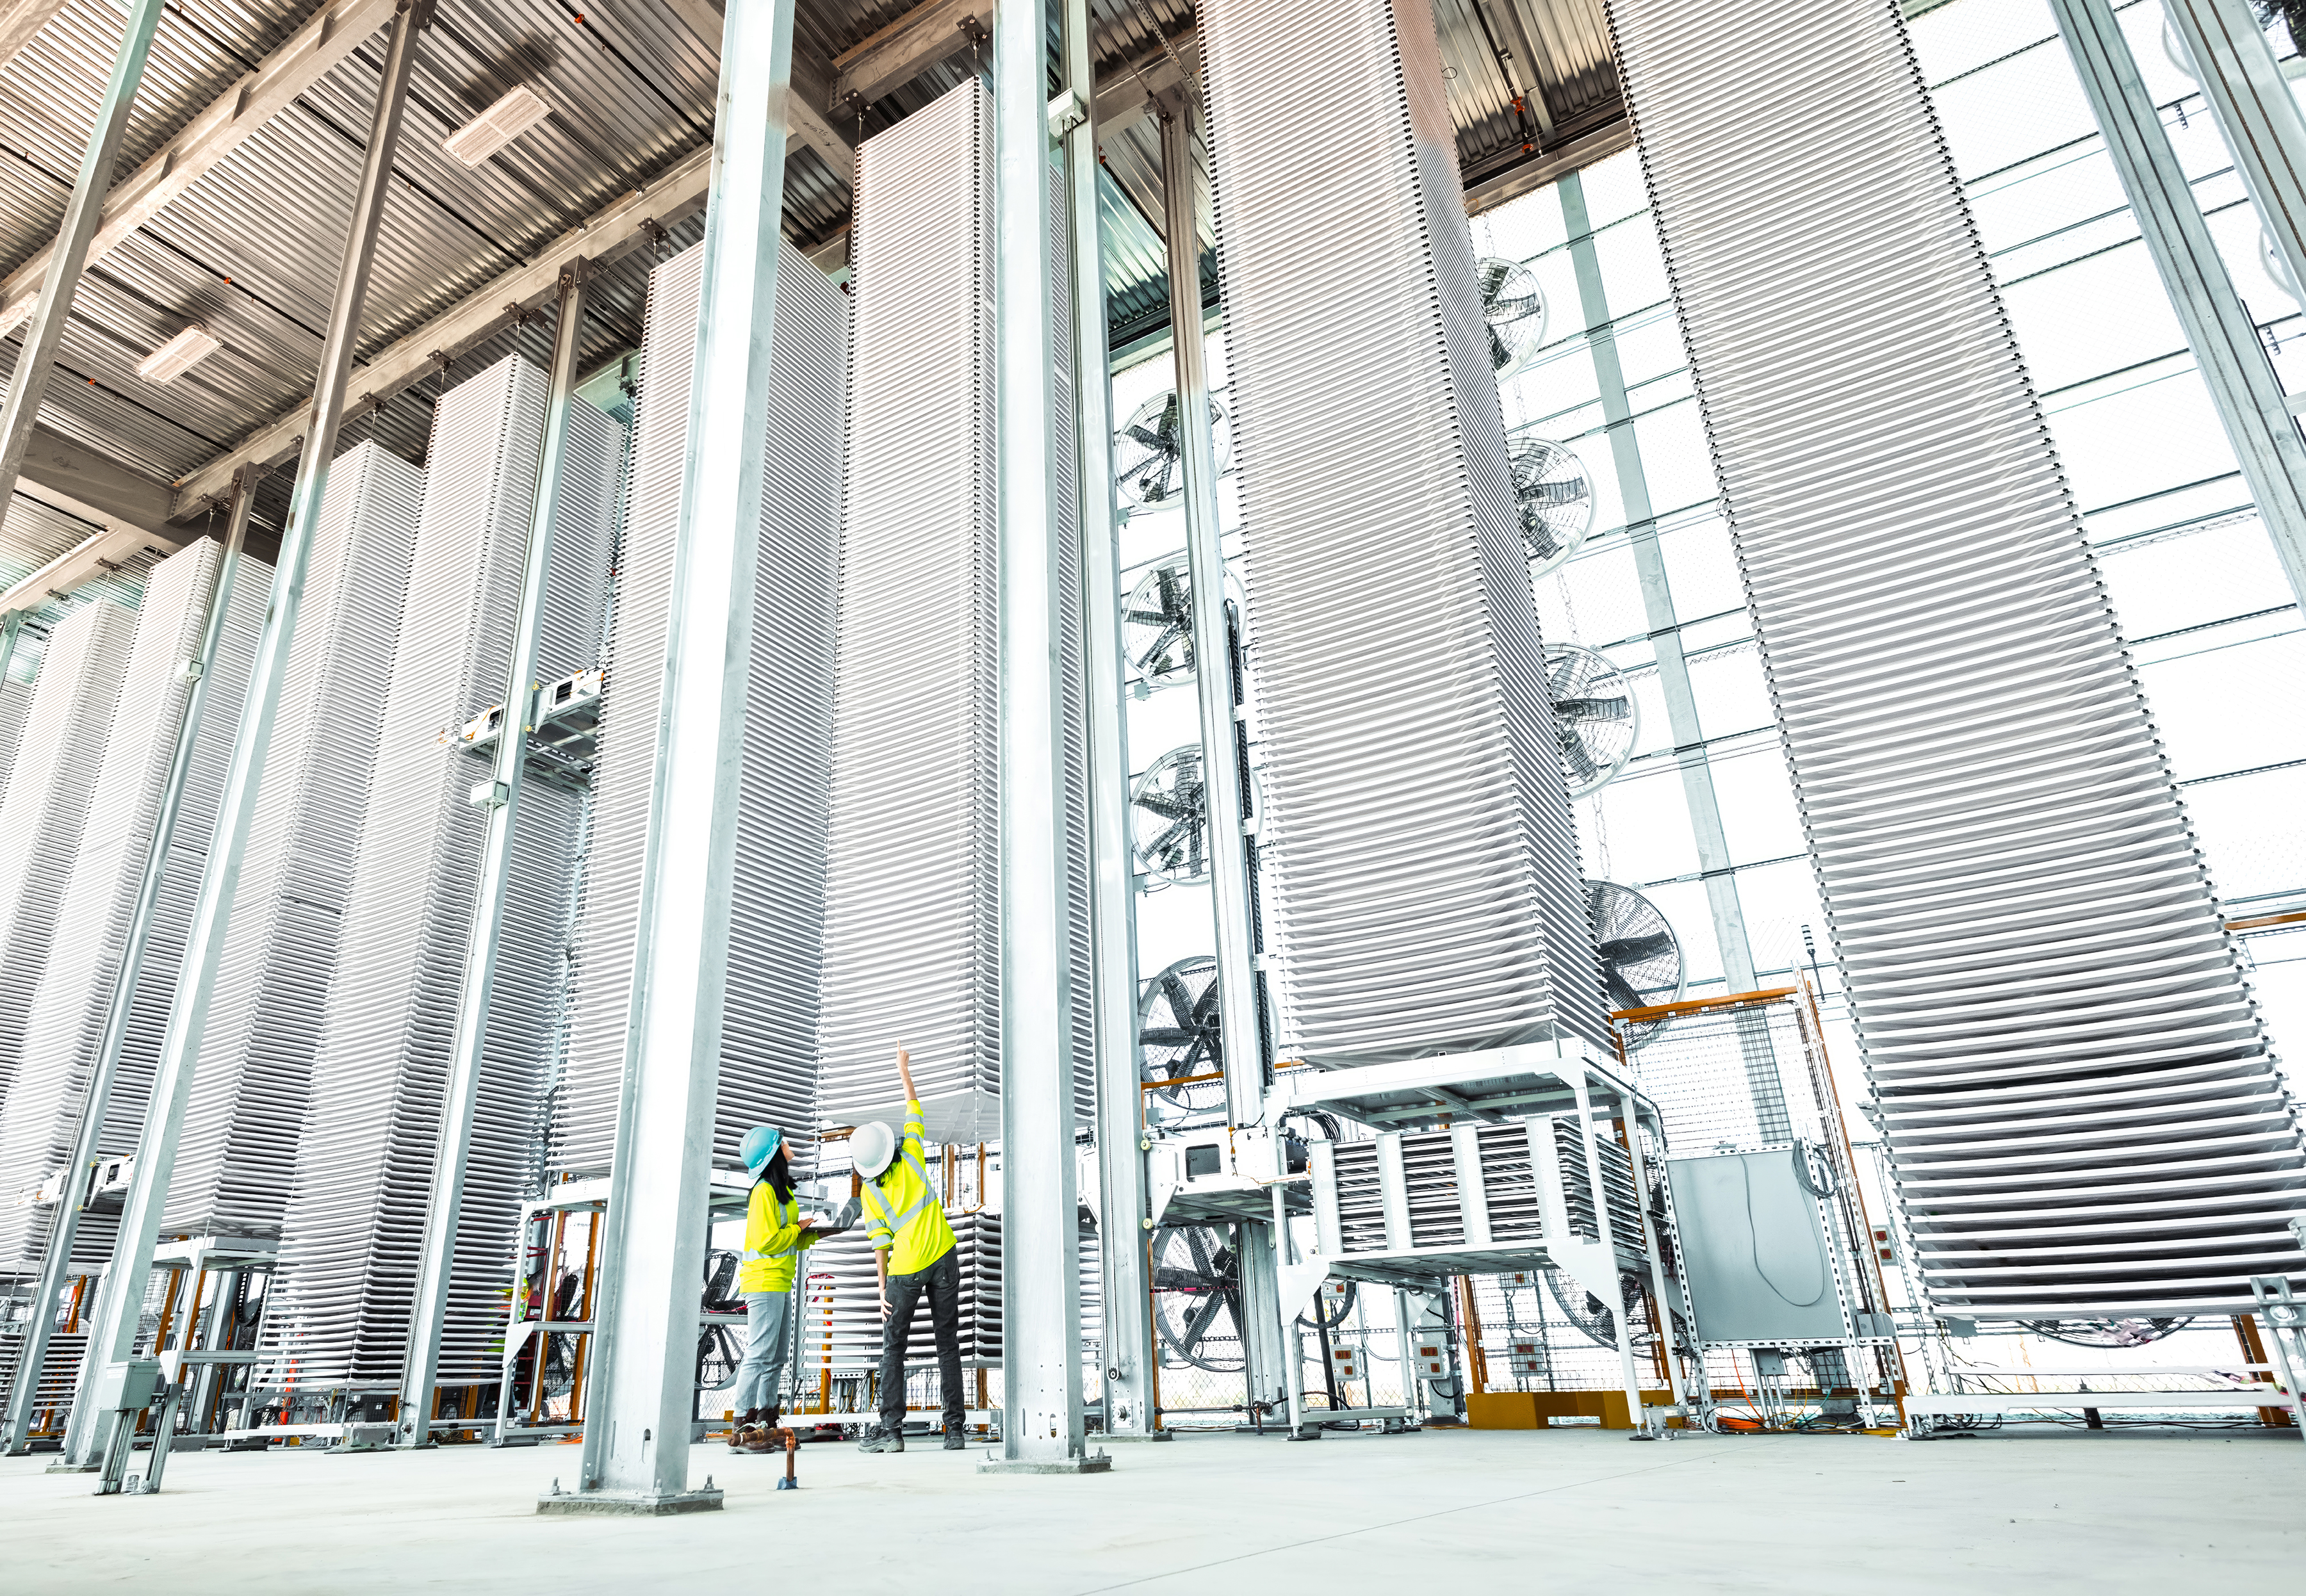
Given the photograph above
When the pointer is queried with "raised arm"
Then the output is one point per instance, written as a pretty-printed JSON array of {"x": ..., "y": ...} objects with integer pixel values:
[{"x": 905, "y": 1073}]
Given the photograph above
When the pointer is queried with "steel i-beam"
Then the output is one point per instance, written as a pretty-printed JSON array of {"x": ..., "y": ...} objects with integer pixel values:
[
  {"x": 36, "y": 359},
  {"x": 500, "y": 797},
  {"x": 643, "y": 1350},
  {"x": 113, "y": 1333},
  {"x": 1041, "y": 1423},
  {"x": 2252, "y": 103},
  {"x": 1128, "y": 1341},
  {"x": 1221, "y": 775},
  {"x": 2226, "y": 344}
]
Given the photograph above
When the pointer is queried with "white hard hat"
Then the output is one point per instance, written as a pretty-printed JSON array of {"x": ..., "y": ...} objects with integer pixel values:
[{"x": 872, "y": 1146}]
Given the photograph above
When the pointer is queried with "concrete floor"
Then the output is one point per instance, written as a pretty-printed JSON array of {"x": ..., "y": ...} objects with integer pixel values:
[{"x": 1450, "y": 1510}]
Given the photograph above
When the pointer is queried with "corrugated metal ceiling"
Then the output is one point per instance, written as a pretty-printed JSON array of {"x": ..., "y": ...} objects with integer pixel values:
[{"x": 253, "y": 249}]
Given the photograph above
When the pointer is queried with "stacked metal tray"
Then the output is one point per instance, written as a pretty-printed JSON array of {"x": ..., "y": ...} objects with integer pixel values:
[
  {"x": 842, "y": 1308},
  {"x": 768, "y": 1057},
  {"x": 46, "y": 811},
  {"x": 238, "y": 1149},
  {"x": 354, "y": 1228},
  {"x": 2082, "y": 1114},
  {"x": 64, "y": 1031},
  {"x": 1418, "y": 856},
  {"x": 913, "y": 928}
]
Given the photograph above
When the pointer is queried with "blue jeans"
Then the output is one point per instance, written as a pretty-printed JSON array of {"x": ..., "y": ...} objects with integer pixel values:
[{"x": 768, "y": 1320}]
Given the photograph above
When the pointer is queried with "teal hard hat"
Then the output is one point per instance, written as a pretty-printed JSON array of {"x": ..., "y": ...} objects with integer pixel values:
[{"x": 760, "y": 1144}]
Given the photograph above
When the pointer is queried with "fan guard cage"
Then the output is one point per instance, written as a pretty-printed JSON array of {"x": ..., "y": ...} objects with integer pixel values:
[
  {"x": 1513, "y": 306},
  {"x": 1596, "y": 718},
  {"x": 1641, "y": 958},
  {"x": 1553, "y": 493}
]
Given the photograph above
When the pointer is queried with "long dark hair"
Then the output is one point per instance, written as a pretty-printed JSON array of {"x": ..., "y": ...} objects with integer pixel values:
[{"x": 778, "y": 1172}]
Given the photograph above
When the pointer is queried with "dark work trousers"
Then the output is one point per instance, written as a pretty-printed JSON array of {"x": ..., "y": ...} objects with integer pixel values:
[{"x": 941, "y": 1284}]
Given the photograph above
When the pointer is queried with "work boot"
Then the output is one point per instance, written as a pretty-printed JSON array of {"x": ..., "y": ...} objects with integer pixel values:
[
  {"x": 878, "y": 1439},
  {"x": 738, "y": 1425},
  {"x": 956, "y": 1437}
]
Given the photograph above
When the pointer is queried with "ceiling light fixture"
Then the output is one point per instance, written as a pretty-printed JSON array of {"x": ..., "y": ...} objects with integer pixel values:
[
  {"x": 496, "y": 127},
  {"x": 179, "y": 354}
]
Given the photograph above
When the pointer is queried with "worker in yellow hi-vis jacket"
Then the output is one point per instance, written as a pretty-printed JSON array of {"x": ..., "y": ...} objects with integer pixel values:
[
  {"x": 775, "y": 1236},
  {"x": 912, "y": 1246}
]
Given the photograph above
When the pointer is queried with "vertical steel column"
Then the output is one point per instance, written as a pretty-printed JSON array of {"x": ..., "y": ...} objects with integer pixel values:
[
  {"x": 97, "y": 1100},
  {"x": 1713, "y": 856},
  {"x": 2252, "y": 103},
  {"x": 1129, "y": 1351},
  {"x": 1221, "y": 779},
  {"x": 1040, "y": 1283},
  {"x": 83, "y": 213},
  {"x": 1629, "y": 1114},
  {"x": 1606, "y": 1234},
  {"x": 113, "y": 1333},
  {"x": 2226, "y": 346},
  {"x": 500, "y": 797},
  {"x": 644, "y": 1350},
  {"x": 12, "y": 623}
]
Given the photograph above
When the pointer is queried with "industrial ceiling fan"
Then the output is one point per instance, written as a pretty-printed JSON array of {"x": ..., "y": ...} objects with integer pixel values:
[
  {"x": 1554, "y": 496},
  {"x": 1595, "y": 718},
  {"x": 1513, "y": 306},
  {"x": 1197, "y": 1296},
  {"x": 1169, "y": 818},
  {"x": 1148, "y": 452},
  {"x": 1178, "y": 1037},
  {"x": 1641, "y": 960},
  {"x": 1157, "y": 625}
]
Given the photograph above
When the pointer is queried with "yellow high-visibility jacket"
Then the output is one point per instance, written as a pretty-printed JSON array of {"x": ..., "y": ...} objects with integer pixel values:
[
  {"x": 902, "y": 1215},
  {"x": 774, "y": 1241}
]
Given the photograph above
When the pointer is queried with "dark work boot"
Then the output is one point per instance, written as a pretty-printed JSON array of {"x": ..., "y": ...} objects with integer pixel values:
[
  {"x": 878, "y": 1439},
  {"x": 738, "y": 1425},
  {"x": 956, "y": 1437}
]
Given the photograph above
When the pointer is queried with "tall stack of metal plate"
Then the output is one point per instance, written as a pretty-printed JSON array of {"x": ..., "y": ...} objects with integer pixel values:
[
  {"x": 768, "y": 1052},
  {"x": 239, "y": 1143},
  {"x": 844, "y": 1307},
  {"x": 42, "y": 817},
  {"x": 2083, "y": 1116},
  {"x": 15, "y": 704},
  {"x": 64, "y": 1031},
  {"x": 1417, "y": 861},
  {"x": 353, "y": 1229},
  {"x": 912, "y": 916}
]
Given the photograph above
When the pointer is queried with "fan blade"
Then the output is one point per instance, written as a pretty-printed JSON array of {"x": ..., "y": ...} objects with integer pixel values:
[
  {"x": 1197, "y": 1321},
  {"x": 1185, "y": 806},
  {"x": 1621, "y": 992},
  {"x": 1573, "y": 753},
  {"x": 1634, "y": 950},
  {"x": 1590, "y": 709}
]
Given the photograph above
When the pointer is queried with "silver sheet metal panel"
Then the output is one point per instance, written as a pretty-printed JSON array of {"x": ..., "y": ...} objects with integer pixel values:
[
  {"x": 768, "y": 1058},
  {"x": 2081, "y": 1113},
  {"x": 58, "y": 755},
  {"x": 1419, "y": 861},
  {"x": 355, "y": 1221},
  {"x": 913, "y": 921},
  {"x": 65, "y": 1031},
  {"x": 238, "y": 1149}
]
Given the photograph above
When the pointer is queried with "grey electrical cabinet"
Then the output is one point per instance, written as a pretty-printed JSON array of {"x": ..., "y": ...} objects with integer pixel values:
[{"x": 1755, "y": 1249}]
